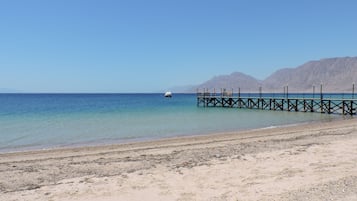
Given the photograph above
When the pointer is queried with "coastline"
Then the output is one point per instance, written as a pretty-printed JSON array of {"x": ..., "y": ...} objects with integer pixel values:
[
  {"x": 282, "y": 163},
  {"x": 76, "y": 120},
  {"x": 119, "y": 141}
]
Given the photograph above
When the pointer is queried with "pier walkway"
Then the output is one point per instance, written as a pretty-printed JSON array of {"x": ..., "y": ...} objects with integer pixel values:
[{"x": 281, "y": 102}]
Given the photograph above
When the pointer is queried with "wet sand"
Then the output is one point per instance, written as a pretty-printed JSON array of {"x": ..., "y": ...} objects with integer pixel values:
[{"x": 315, "y": 161}]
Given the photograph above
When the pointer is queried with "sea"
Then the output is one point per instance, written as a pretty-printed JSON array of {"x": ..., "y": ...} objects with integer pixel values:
[{"x": 46, "y": 121}]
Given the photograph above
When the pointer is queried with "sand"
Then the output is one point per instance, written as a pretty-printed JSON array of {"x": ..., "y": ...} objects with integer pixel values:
[{"x": 315, "y": 161}]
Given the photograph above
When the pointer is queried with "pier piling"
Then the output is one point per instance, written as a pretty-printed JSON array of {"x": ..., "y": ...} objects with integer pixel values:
[{"x": 283, "y": 103}]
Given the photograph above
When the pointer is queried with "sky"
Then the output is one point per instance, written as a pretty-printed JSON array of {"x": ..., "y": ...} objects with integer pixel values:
[{"x": 120, "y": 46}]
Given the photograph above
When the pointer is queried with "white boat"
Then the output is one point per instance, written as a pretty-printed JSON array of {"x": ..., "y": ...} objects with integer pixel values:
[{"x": 168, "y": 94}]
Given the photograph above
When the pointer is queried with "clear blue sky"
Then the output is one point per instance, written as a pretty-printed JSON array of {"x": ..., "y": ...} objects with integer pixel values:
[{"x": 152, "y": 45}]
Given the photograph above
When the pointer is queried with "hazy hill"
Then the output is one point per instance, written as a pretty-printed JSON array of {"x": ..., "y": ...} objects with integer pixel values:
[
  {"x": 6, "y": 90},
  {"x": 336, "y": 75},
  {"x": 233, "y": 81}
]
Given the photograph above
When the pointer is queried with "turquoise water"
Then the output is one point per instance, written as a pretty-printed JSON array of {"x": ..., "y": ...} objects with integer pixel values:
[{"x": 37, "y": 121}]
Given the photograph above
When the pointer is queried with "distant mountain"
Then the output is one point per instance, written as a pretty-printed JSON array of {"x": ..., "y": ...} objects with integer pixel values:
[
  {"x": 233, "y": 81},
  {"x": 5, "y": 90},
  {"x": 183, "y": 89},
  {"x": 335, "y": 74}
]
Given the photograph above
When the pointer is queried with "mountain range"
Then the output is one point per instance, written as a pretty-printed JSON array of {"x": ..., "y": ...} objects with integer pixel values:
[{"x": 335, "y": 75}]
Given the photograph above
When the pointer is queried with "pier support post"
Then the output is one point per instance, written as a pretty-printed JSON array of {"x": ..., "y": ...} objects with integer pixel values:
[
  {"x": 353, "y": 90},
  {"x": 284, "y": 92},
  {"x": 321, "y": 100},
  {"x": 260, "y": 92}
]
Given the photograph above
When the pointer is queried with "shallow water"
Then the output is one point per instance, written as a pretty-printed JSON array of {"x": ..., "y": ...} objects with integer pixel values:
[{"x": 36, "y": 121}]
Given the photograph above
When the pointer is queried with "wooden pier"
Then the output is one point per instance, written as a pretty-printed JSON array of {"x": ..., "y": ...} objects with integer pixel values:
[{"x": 283, "y": 102}]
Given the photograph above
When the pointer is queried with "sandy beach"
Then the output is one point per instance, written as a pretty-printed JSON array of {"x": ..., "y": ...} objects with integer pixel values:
[{"x": 316, "y": 161}]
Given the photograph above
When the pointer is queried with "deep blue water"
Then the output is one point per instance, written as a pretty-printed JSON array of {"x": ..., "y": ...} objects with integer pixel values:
[{"x": 36, "y": 121}]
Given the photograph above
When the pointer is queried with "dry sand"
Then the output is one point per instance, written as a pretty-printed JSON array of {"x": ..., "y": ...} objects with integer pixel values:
[{"x": 307, "y": 162}]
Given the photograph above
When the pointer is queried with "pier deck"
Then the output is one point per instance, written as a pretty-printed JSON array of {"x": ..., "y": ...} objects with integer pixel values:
[{"x": 342, "y": 106}]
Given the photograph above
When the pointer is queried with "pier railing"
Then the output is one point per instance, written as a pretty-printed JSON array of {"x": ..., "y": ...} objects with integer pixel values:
[{"x": 295, "y": 102}]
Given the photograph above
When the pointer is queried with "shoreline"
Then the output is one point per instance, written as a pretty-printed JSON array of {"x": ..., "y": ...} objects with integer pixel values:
[
  {"x": 283, "y": 163},
  {"x": 113, "y": 142},
  {"x": 183, "y": 138}
]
